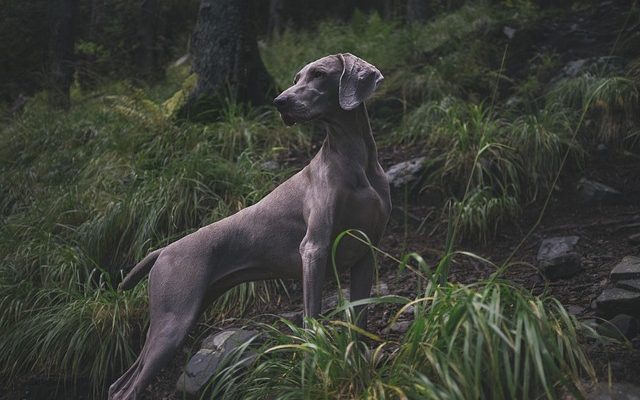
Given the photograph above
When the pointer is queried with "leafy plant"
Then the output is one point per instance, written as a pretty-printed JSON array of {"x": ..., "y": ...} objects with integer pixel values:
[
  {"x": 489, "y": 340},
  {"x": 90, "y": 193},
  {"x": 610, "y": 101}
]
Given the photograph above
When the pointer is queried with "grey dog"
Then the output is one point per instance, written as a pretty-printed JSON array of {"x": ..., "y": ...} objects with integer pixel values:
[{"x": 289, "y": 233}]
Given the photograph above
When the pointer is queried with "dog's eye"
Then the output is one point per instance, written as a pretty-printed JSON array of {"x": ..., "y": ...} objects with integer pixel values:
[{"x": 317, "y": 73}]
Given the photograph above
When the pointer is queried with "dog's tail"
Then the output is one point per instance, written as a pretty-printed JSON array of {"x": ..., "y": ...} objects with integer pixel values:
[{"x": 139, "y": 271}]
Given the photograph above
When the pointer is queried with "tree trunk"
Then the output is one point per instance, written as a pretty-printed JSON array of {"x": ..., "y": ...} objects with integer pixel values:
[
  {"x": 418, "y": 10},
  {"x": 226, "y": 59},
  {"x": 86, "y": 62},
  {"x": 146, "y": 53},
  {"x": 61, "y": 46},
  {"x": 276, "y": 17}
]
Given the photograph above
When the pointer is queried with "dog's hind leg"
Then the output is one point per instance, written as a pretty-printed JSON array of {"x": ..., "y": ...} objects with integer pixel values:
[
  {"x": 175, "y": 306},
  {"x": 162, "y": 342}
]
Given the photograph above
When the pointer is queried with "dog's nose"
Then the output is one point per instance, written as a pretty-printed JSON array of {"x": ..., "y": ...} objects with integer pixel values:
[{"x": 279, "y": 101}]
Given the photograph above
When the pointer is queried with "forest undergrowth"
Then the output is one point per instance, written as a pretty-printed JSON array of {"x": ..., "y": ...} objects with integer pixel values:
[{"x": 87, "y": 193}]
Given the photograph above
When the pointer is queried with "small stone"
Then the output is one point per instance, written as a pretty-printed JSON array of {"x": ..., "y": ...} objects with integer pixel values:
[
  {"x": 632, "y": 285},
  {"x": 602, "y": 150},
  {"x": 634, "y": 239},
  {"x": 614, "y": 391},
  {"x": 405, "y": 172},
  {"x": 270, "y": 165},
  {"x": 380, "y": 289},
  {"x": 592, "y": 323},
  {"x": 621, "y": 326},
  {"x": 556, "y": 245},
  {"x": 557, "y": 257},
  {"x": 513, "y": 100},
  {"x": 400, "y": 327},
  {"x": 628, "y": 268},
  {"x": 230, "y": 338},
  {"x": 509, "y": 32},
  {"x": 206, "y": 362},
  {"x": 574, "y": 309},
  {"x": 596, "y": 192},
  {"x": 294, "y": 316},
  {"x": 616, "y": 301},
  {"x": 330, "y": 302},
  {"x": 573, "y": 68},
  {"x": 409, "y": 310}
]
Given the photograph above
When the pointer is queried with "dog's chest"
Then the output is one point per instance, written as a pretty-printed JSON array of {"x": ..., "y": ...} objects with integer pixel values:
[{"x": 364, "y": 211}]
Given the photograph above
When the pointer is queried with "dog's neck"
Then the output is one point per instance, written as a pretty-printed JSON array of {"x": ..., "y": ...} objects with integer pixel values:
[{"x": 349, "y": 134}]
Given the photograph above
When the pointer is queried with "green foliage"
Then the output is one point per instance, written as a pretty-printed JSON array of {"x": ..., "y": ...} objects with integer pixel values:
[
  {"x": 489, "y": 165},
  {"x": 23, "y": 43},
  {"x": 72, "y": 332},
  {"x": 90, "y": 193},
  {"x": 284, "y": 55},
  {"x": 490, "y": 157},
  {"x": 610, "y": 102},
  {"x": 482, "y": 211},
  {"x": 485, "y": 341}
]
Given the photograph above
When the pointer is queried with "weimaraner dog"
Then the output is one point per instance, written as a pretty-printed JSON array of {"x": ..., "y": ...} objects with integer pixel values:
[{"x": 289, "y": 233}]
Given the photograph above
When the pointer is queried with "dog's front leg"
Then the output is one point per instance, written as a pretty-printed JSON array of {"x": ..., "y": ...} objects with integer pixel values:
[
  {"x": 314, "y": 252},
  {"x": 360, "y": 281}
]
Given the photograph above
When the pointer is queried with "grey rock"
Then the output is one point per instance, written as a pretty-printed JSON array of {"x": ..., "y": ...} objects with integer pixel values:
[
  {"x": 409, "y": 311},
  {"x": 330, "y": 302},
  {"x": 405, "y": 172},
  {"x": 207, "y": 361},
  {"x": 294, "y": 316},
  {"x": 602, "y": 150},
  {"x": 617, "y": 391},
  {"x": 591, "y": 323},
  {"x": 622, "y": 326},
  {"x": 551, "y": 247},
  {"x": 591, "y": 66},
  {"x": 270, "y": 165},
  {"x": 575, "y": 309},
  {"x": 380, "y": 289},
  {"x": 616, "y": 301},
  {"x": 509, "y": 32},
  {"x": 573, "y": 68},
  {"x": 632, "y": 285},
  {"x": 557, "y": 257},
  {"x": 628, "y": 268},
  {"x": 634, "y": 239},
  {"x": 595, "y": 192},
  {"x": 400, "y": 327},
  {"x": 513, "y": 100}
]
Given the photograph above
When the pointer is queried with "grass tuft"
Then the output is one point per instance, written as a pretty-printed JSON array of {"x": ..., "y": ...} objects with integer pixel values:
[{"x": 486, "y": 341}]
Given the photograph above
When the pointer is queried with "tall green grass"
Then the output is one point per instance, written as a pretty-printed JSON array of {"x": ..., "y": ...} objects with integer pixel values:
[
  {"x": 610, "y": 100},
  {"x": 489, "y": 163},
  {"x": 89, "y": 193},
  {"x": 86, "y": 194},
  {"x": 489, "y": 340}
]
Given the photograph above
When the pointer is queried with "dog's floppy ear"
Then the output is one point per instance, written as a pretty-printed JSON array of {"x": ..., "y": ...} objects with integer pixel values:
[{"x": 358, "y": 81}]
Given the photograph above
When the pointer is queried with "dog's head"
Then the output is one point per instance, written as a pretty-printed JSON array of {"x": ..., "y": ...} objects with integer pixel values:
[{"x": 341, "y": 81}]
